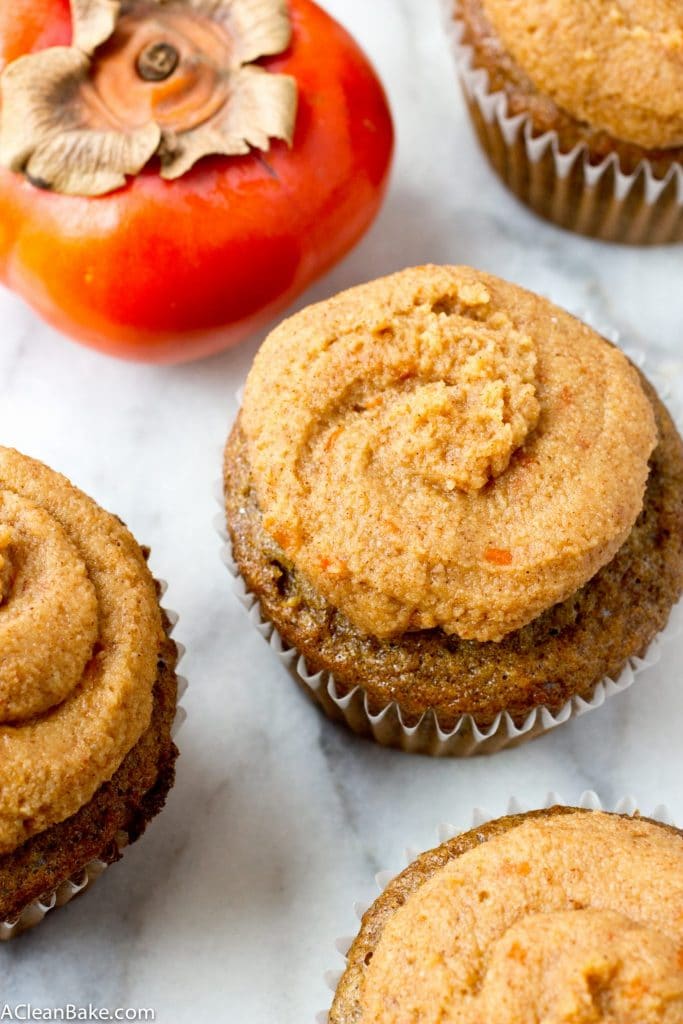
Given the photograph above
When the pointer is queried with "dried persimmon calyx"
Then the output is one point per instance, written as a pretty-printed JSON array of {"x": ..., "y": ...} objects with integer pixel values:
[
  {"x": 93, "y": 22},
  {"x": 173, "y": 78},
  {"x": 47, "y": 133}
]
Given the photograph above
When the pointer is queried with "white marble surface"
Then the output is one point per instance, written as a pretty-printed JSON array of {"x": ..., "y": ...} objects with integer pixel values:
[{"x": 227, "y": 910}]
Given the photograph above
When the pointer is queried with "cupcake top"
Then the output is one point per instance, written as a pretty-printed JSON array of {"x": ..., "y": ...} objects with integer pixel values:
[
  {"x": 80, "y": 629},
  {"x": 564, "y": 917},
  {"x": 443, "y": 449},
  {"x": 616, "y": 65}
]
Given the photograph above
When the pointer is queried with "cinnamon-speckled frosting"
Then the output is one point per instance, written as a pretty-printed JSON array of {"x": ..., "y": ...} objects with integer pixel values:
[
  {"x": 441, "y": 448},
  {"x": 564, "y": 918},
  {"x": 80, "y": 630},
  {"x": 615, "y": 64}
]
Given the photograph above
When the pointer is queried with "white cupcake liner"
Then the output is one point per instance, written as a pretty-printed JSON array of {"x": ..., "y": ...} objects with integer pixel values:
[
  {"x": 35, "y": 912},
  {"x": 595, "y": 199},
  {"x": 388, "y": 726},
  {"x": 589, "y": 801}
]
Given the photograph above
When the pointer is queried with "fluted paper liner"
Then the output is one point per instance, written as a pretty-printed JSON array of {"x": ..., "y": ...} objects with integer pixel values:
[
  {"x": 427, "y": 737},
  {"x": 589, "y": 801},
  {"x": 388, "y": 727},
  {"x": 564, "y": 186},
  {"x": 35, "y": 912}
]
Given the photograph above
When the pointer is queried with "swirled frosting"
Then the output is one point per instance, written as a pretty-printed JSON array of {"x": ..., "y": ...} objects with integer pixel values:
[
  {"x": 80, "y": 629},
  {"x": 569, "y": 918},
  {"x": 617, "y": 64},
  {"x": 443, "y": 449}
]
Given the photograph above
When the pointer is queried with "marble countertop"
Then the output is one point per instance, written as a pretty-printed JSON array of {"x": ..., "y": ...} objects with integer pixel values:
[{"x": 228, "y": 909}]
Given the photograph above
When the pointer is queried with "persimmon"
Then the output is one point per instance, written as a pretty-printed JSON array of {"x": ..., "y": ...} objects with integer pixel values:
[{"x": 176, "y": 172}]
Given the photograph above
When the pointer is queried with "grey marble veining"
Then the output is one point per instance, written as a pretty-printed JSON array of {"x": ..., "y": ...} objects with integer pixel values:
[{"x": 228, "y": 909}]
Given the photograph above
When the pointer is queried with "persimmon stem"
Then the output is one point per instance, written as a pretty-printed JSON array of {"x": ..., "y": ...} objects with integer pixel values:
[{"x": 158, "y": 62}]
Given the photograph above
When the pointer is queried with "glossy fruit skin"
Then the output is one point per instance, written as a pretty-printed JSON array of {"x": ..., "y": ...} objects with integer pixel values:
[{"x": 167, "y": 272}]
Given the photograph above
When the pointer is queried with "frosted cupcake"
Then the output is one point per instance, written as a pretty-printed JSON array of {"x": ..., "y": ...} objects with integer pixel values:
[
  {"x": 87, "y": 691},
  {"x": 579, "y": 107},
  {"x": 455, "y": 498},
  {"x": 562, "y": 915}
]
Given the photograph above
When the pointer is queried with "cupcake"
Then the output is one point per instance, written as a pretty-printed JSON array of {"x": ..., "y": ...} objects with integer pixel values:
[
  {"x": 579, "y": 107},
  {"x": 557, "y": 915},
  {"x": 87, "y": 691},
  {"x": 453, "y": 500}
]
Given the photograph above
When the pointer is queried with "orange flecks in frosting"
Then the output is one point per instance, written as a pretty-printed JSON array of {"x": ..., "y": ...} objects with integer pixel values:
[
  {"x": 498, "y": 556},
  {"x": 478, "y": 456},
  {"x": 592, "y": 931},
  {"x": 332, "y": 437}
]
